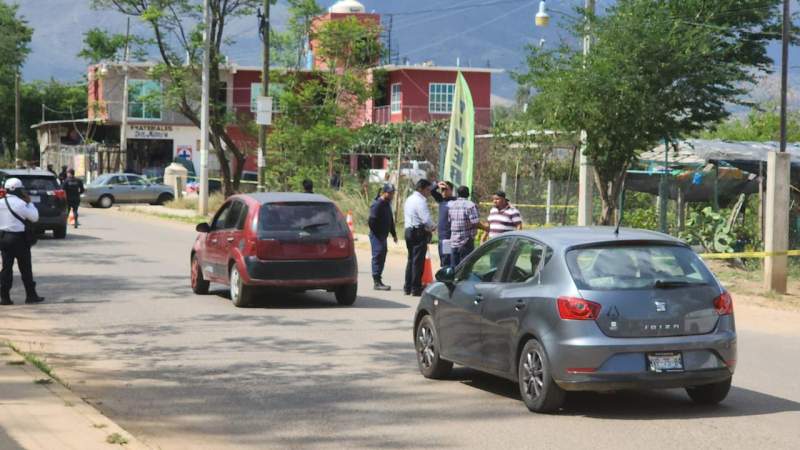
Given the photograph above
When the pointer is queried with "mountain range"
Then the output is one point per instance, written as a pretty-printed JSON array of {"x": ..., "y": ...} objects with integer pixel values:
[{"x": 476, "y": 33}]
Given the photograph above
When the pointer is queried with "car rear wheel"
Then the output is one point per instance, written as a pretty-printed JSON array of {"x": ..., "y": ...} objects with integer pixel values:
[
  {"x": 60, "y": 232},
  {"x": 536, "y": 385},
  {"x": 105, "y": 201},
  {"x": 199, "y": 283},
  {"x": 241, "y": 294},
  {"x": 346, "y": 295},
  {"x": 164, "y": 198},
  {"x": 710, "y": 394},
  {"x": 429, "y": 360}
]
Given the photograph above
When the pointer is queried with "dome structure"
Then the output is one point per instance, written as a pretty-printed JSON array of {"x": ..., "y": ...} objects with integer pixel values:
[{"x": 347, "y": 7}]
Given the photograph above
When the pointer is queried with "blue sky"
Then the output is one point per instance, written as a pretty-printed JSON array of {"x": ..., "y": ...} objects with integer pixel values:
[{"x": 494, "y": 33}]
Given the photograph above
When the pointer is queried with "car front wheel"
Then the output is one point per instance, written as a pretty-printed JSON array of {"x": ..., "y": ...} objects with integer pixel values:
[
  {"x": 429, "y": 360},
  {"x": 106, "y": 201},
  {"x": 199, "y": 283},
  {"x": 710, "y": 394},
  {"x": 241, "y": 294},
  {"x": 536, "y": 385}
]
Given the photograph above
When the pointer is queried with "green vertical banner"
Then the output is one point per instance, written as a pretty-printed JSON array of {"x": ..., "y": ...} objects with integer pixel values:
[{"x": 459, "y": 158}]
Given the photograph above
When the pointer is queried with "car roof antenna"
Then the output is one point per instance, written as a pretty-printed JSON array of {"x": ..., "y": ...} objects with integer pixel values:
[{"x": 621, "y": 208}]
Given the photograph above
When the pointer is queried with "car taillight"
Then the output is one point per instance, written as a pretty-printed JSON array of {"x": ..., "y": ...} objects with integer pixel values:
[
  {"x": 339, "y": 245},
  {"x": 573, "y": 308},
  {"x": 724, "y": 304},
  {"x": 59, "y": 194}
]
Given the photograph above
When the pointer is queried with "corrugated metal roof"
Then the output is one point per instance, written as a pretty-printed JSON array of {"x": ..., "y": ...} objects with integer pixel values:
[{"x": 701, "y": 151}]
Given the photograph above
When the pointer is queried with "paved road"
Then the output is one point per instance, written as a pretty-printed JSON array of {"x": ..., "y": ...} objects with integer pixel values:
[{"x": 185, "y": 371}]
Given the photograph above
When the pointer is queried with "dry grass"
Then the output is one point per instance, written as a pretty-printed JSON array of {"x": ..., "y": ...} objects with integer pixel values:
[
  {"x": 190, "y": 203},
  {"x": 747, "y": 285}
]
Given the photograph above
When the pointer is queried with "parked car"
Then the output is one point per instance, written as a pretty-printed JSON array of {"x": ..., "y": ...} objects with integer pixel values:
[
  {"x": 581, "y": 309},
  {"x": 290, "y": 241},
  {"x": 412, "y": 170},
  {"x": 113, "y": 188},
  {"x": 46, "y": 194}
]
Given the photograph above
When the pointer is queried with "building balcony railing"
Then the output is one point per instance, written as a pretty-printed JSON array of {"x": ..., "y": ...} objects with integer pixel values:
[{"x": 384, "y": 115}]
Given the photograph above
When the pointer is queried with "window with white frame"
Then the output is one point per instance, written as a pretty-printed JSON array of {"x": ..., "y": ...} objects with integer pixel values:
[
  {"x": 396, "y": 98},
  {"x": 275, "y": 91},
  {"x": 145, "y": 99},
  {"x": 440, "y": 97}
]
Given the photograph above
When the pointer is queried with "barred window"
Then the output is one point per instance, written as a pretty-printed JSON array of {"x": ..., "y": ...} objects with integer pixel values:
[
  {"x": 144, "y": 99},
  {"x": 440, "y": 97}
]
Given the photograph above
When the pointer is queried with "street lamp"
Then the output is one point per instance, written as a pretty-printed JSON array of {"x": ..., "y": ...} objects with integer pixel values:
[{"x": 542, "y": 18}]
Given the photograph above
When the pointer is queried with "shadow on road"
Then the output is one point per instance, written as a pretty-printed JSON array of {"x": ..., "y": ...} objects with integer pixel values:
[
  {"x": 639, "y": 405},
  {"x": 312, "y": 300}
]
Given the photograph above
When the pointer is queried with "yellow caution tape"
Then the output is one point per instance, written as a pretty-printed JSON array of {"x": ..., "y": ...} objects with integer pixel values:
[
  {"x": 748, "y": 254},
  {"x": 532, "y": 206}
]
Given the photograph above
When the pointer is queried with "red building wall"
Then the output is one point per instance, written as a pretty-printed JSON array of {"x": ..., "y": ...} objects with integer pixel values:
[
  {"x": 415, "y": 91},
  {"x": 242, "y": 81}
]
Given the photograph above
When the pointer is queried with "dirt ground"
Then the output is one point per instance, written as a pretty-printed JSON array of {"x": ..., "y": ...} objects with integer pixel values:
[{"x": 747, "y": 287}]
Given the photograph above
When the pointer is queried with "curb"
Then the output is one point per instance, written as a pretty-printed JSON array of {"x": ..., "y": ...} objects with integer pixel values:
[{"x": 99, "y": 428}]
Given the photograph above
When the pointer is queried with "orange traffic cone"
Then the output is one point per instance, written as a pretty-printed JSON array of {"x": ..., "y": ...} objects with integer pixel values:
[
  {"x": 71, "y": 218},
  {"x": 350, "y": 225},
  {"x": 427, "y": 271}
]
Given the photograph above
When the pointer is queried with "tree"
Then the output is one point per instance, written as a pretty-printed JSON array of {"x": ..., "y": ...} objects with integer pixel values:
[
  {"x": 657, "y": 70},
  {"x": 290, "y": 46},
  {"x": 100, "y": 45},
  {"x": 177, "y": 34},
  {"x": 319, "y": 110},
  {"x": 15, "y": 38}
]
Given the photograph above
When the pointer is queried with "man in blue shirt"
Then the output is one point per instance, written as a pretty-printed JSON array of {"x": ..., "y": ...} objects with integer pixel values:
[
  {"x": 443, "y": 194},
  {"x": 381, "y": 225},
  {"x": 419, "y": 226}
]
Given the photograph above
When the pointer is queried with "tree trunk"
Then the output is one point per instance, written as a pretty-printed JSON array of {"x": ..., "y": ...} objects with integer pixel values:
[{"x": 609, "y": 190}]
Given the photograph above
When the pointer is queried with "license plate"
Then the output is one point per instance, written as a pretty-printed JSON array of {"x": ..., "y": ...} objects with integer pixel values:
[
  {"x": 662, "y": 362},
  {"x": 36, "y": 199}
]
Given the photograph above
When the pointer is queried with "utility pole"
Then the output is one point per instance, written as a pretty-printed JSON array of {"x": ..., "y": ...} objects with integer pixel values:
[
  {"x": 202, "y": 203},
  {"x": 776, "y": 236},
  {"x": 16, "y": 114},
  {"x": 123, "y": 129},
  {"x": 585, "y": 172},
  {"x": 264, "y": 26}
]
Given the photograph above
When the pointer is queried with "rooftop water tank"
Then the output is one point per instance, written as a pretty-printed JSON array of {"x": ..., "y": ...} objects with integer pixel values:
[{"x": 347, "y": 7}]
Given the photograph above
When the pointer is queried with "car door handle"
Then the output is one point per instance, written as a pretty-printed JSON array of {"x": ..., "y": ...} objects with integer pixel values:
[
  {"x": 478, "y": 299},
  {"x": 520, "y": 305},
  {"x": 213, "y": 241},
  {"x": 229, "y": 239}
]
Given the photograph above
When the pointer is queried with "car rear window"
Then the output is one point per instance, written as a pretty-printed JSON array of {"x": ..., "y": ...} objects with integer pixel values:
[
  {"x": 43, "y": 183},
  {"x": 311, "y": 217},
  {"x": 636, "y": 267}
]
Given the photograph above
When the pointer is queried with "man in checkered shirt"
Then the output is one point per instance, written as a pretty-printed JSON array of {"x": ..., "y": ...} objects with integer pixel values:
[{"x": 464, "y": 225}]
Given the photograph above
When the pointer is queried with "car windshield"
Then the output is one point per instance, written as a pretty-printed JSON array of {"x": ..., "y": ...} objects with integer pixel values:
[
  {"x": 312, "y": 218},
  {"x": 636, "y": 267},
  {"x": 43, "y": 183}
]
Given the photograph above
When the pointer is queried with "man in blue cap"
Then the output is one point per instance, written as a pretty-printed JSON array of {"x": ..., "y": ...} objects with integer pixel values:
[{"x": 381, "y": 225}]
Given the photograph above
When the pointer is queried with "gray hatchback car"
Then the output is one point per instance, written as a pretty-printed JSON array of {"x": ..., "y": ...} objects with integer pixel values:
[{"x": 581, "y": 309}]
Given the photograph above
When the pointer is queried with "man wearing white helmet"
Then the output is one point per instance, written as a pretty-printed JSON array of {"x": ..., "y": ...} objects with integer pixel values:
[{"x": 16, "y": 212}]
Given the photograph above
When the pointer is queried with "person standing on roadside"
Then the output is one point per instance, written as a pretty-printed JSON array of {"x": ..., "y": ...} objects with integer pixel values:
[
  {"x": 443, "y": 195},
  {"x": 503, "y": 217},
  {"x": 16, "y": 212},
  {"x": 73, "y": 188},
  {"x": 381, "y": 225},
  {"x": 464, "y": 225},
  {"x": 419, "y": 226},
  {"x": 308, "y": 186},
  {"x": 62, "y": 175}
]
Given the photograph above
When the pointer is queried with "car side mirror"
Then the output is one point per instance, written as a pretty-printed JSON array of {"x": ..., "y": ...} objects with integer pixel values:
[
  {"x": 446, "y": 275},
  {"x": 203, "y": 227}
]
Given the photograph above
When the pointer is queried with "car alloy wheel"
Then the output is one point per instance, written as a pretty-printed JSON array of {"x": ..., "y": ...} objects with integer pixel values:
[
  {"x": 235, "y": 280},
  {"x": 536, "y": 385},
  {"x": 430, "y": 361},
  {"x": 241, "y": 294},
  {"x": 106, "y": 201}
]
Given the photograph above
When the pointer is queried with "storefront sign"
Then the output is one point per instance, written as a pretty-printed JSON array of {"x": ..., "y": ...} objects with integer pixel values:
[{"x": 150, "y": 132}]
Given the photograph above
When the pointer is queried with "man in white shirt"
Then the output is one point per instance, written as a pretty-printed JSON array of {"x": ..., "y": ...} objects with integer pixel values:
[
  {"x": 16, "y": 209},
  {"x": 419, "y": 225}
]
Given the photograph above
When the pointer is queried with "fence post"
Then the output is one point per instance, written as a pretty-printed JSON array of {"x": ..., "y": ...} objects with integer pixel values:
[
  {"x": 503, "y": 179},
  {"x": 549, "y": 202}
]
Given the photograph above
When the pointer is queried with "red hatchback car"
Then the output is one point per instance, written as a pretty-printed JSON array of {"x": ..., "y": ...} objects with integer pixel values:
[{"x": 290, "y": 241}]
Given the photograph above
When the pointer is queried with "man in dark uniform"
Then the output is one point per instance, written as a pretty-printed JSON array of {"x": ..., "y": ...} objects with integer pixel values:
[
  {"x": 15, "y": 210},
  {"x": 443, "y": 194},
  {"x": 74, "y": 188},
  {"x": 62, "y": 175},
  {"x": 381, "y": 224},
  {"x": 308, "y": 186}
]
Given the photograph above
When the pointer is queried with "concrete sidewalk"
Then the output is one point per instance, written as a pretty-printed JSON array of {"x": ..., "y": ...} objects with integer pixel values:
[{"x": 36, "y": 412}]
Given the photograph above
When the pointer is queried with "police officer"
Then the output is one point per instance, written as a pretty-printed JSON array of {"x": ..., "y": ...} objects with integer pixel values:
[
  {"x": 419, "y": 226},
  {"x": 15, "y": 209},
  {"x": 74, "y": 188},
  {"x": 381, "y": 225}
]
